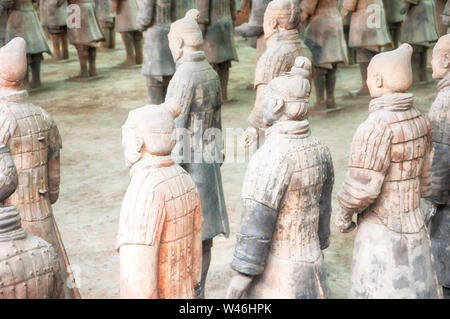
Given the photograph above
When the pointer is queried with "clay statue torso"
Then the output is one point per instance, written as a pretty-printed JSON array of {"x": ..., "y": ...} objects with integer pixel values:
[
  {"x": 420, "y": 26},
  {"x": 23, "y": 22},
  {"x": 196, "y": 87},
  {"x": 390, "y": 157},
  {"x": 361, "y": 34},
  {"x": 126, "y": 17},
  {"x": 162, "y": 207},
  {"x": 29, "y": 267},
  {"x": 89, "y": 31},
  {"x": 294, "y": 181},
  {"x": 158, "y": 60},
  {"x": 51, "y": 16},
  {"x": 219, "y": 37}
]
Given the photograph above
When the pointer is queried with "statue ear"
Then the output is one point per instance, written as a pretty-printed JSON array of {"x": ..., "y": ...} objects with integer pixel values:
[
  {"x": 278, "y": 105},
  {"x": 273, "y": 23},
  {"x": 446, "y": 61},
  {"x": 379, "y": 80},
  {"x": 180, "y": 42}
]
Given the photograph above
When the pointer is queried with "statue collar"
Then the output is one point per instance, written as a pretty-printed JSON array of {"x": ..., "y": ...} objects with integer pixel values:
[
  {"x": 445, "y": 82},
  {"x": 393, "y": 102},
  {"x": 193, "y": 57},
  {"x": 14, "y": 96},
  {"x": 288, "y": 35},
  {"x": 10, "y": 227},
  {"x": 295, "y": 128},
  {"x": 152, "y": 162}
]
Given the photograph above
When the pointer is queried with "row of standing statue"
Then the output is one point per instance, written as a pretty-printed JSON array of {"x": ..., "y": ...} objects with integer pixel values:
[{"x": 174, "y": 207}]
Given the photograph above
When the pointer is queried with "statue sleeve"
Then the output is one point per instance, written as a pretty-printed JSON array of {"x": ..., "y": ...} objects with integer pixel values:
[
  {"x": 368, "y": 163},
  {"x": 309, "y": 6},
  {"x": 54, "y": 147},
  {"x": 7, "y": 126},
  {"x": 350, "y": 5},
  {"x": 181, "y": 89},
  {"x": 425, "y": 178},
  {"x": 265, "y": 184},
  {"x": 145, "y": 14},
  {"x": 203, "y": 7},
  {"x": 325, "y": 204}
]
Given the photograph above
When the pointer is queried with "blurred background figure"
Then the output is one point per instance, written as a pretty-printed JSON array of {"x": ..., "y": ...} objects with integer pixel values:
[
  {"x": 395, "y": 19},
  {"x": 53, "y": 15},
  {"x": 106, "y": 21}
]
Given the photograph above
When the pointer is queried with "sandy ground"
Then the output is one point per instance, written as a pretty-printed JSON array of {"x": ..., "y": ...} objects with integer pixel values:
[{"x": 94, "y": 176}]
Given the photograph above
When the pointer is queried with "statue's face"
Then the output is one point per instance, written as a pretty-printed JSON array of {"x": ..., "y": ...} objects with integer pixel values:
[
  {"x": 440, "y": 63},
  {"x": 176, "y": 47}
]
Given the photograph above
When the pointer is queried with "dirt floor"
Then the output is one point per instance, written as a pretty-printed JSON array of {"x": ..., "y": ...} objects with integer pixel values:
[{"x": 94, "y": 175}]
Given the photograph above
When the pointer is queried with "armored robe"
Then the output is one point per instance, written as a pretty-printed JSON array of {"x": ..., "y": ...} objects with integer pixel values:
[
  {"x": 154, "y": 18},
  {"x": 29, "y": 266},
  {"x": 106, "y": 21},
  {"x": 286, "y": 216},
  {"x": 34, "y": 143},
  {"x": 282, "y": 49},
  {"x": 126, "y": 17},
  {"x": 440, "y": 176},
  {"x": 53, "y": 18},
  {"x": 89, "y": 32},
  {"x": 420, "y": 26},
  {"x": 394, "y": 18},
  {"x": 162, "y": 208},
  {"x": 196, "y": 87},
  {"x": 389, "y": 171}
]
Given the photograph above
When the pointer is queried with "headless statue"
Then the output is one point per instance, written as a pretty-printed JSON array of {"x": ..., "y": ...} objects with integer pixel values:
[{"x": 53, "y": 15}]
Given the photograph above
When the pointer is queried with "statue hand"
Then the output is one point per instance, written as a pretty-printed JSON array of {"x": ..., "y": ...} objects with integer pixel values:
[
  {"x": 250, "y": 135},
  {"x": 238, "y": 286}
]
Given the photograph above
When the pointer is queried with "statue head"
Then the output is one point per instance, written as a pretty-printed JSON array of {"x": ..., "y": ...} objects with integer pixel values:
[
  {"x": 185, "y": 34},
  {"x": 150, "y": 130},
  {"x": 441, "y": 57},
  {"x": 390, "y": 72},
  {"x": 13, "y": 64},
  {"x": 286, "y": 98},
  {"x": 8, "y": 174},
  {"x": 281, "y": 15}
]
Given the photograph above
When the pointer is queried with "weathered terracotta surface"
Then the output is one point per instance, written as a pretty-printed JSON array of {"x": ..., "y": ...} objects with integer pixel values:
[
  {"x": 286, "y": 200},
  {"x": 53, "y": 15},
  {"x": 196, "y": 87},
  {"x": 29, "y": 267},
  {"x": 127, "y": 25},
  {"x": 216, "y": 20},
  {"x": 439, "y": 115},
  {"x": 159, "y": 238},
  {"x": 106, "y": 21},
  {"x": 34, "y": 142},
  {"x": 284, "y": 44},
  {"x": 389, "y": 171},
  {"x": 324, "y": 36},
  {"x": 254, "y": 27},
  {"x": 154, "y": 18}
]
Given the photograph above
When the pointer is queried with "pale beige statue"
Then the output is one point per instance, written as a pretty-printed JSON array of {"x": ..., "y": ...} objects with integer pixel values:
[
  {"x": 160, "y": 232},
  {"x": 34, "y": 142}
]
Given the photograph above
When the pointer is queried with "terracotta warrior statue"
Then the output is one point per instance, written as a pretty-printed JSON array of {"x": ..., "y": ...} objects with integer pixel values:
[
  {"x": 160, "y": 229},
  {"x": 29, "y": 267},
  {"x": 420, "y": 30},
  {"x": 196, "y": 87},
  {"x": 281, "y": 22},
  {"x": 127, "y": 24},
  {"x": 395, "y": 18},
  {"x": 286, "y": 200},
  {"x": 84, "y": 38},
  {"x": 53, "y": 15},
  {"x": 366, "y": 38},
  {"x": 254, "y": 27},
  {"x": 440, "y": 7},
  {"x": 154, "y": 17},
  {"x": 445, "y": 17},
  {"x": 388, "y": 174},
  {"x": 34, "y": 142},
  {"x": 5, "y": 6},
  {"x": 216, "y": 21},
  {"x": 440, "y": 171},
  {"x": 106, "y": 21},
  {"x": 23, "y": 22},
  {"x": 325, "y": 38}
]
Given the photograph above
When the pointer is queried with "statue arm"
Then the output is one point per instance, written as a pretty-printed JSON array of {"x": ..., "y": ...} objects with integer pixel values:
[
  {"x": 203, "y": 6},
  {"x": 425, "y": 178},
  {"x": 368, "y": 164},
  {"x": 325, "y": 205},
  {"x": 55, "y": 146},
  {"x": 145, "y": 14},
  {"x": 255, "y": 118}
]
